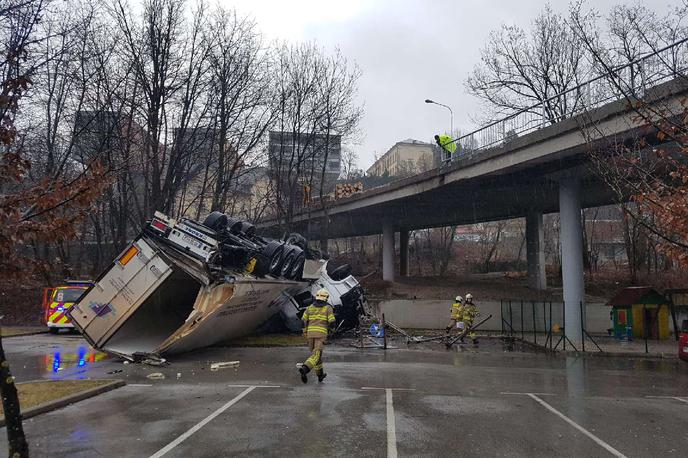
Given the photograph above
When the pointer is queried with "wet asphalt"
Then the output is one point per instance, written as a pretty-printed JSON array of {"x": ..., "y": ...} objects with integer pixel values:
[{"x": 415, "y": 402}]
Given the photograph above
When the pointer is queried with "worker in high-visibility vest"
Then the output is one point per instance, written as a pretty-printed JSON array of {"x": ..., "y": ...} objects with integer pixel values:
[
  {"x": 317, "y": 319},
  {"x": 447, "y": 144},
  {"x": 469, "y": 312},
  {"x": 455, "y": 313}
]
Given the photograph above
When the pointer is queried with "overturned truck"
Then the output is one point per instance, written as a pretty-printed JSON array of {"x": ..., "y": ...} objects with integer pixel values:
[{"x": 182, "y": 285}]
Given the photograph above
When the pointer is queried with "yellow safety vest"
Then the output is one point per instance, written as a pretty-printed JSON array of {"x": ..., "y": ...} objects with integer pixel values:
[
  {"x": 447, "y": 144},
  {"x": 317, "y": 319},
  {"x": 456, "y": 311}
]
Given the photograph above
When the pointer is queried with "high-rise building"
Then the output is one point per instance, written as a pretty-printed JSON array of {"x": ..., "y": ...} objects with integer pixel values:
[{"x": 307, "y": 152}]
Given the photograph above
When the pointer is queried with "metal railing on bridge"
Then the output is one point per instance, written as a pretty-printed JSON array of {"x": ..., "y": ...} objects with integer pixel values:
[{"x": 631, "y": 79}]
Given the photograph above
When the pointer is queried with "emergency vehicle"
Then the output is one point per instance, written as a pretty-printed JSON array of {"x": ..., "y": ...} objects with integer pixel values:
[
  {"x": 683, "y": 342},
  {"x": 56, "y": 302}
]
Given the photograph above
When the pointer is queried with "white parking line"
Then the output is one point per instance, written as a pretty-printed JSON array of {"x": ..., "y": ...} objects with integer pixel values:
[
  {"x": 512, "y": 393},
  {"x": 391, "y": 423},
  {"x": 254, "y": 386},
  {"x": 201, "y": 424},
  {"x": 669, "y": 397},
  {"x": 393, "y": 389},
  {"x": 599, "y": 441},
  {"x": 391, "y": 426}
]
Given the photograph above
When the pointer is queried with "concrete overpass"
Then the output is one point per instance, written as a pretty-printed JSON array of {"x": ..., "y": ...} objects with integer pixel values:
[{"x": 546, "y": 170}]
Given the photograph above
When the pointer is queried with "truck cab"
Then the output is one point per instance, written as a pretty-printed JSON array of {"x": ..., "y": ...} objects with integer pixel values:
[{"x": 59, "y": 300}]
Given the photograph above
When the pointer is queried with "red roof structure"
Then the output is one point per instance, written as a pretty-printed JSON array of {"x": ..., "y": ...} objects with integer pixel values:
[{"x": 636, "y": 295}]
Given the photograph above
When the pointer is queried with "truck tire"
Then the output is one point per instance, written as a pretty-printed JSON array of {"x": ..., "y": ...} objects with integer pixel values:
[
  {"x": 234, "y": 225},
  {"x": 248, "y": 229},
  {"x": 262, "y": 267},
  {"x": 288, "y": 258},
  {"x": 298, "y": 240},
  {"x": 297, "y": 266},
  {"x": 274, "y": 251},
  {"x": 341, "y": 272},
  {"x": 217, "y": 221}
]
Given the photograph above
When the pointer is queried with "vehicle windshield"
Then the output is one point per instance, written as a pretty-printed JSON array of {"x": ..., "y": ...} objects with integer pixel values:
[{"x": 68, "y": 294}]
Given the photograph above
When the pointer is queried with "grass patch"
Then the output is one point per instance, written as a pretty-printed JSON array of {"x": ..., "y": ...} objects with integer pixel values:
[
  {"x": 38, "y": 392},
  {"x": 10, "y": 331},
  {"x": 270, "y": 340}
]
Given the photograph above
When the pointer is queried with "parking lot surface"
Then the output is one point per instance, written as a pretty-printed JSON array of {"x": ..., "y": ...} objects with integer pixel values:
[{"x": 402, "y": 402}]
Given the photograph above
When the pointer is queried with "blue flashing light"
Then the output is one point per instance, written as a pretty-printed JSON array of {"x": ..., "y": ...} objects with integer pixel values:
[{"x": 56, "y": 362}]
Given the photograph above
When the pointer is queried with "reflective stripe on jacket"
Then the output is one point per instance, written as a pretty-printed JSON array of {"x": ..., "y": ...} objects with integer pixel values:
[
  {"x": 317, "y": 319},
  {"x": 456, "y": 310}
]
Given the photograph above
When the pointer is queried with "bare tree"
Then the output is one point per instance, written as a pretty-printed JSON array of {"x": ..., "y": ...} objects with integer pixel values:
[
  {"x": 315, "y": 111},
  {"x": 241, "y": 96},
  {"x": 647, "y": 171},
  {"x": 521, "y": 68},
  {"x": 155, "y": 51},
  {"x": 490, "y": 237}
]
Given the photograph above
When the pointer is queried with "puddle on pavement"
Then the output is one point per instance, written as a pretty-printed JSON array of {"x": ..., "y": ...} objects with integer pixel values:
[{"x": 60, "y": 362}]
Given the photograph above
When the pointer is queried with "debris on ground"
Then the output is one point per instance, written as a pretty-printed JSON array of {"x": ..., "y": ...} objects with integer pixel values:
[
  {"x": 224, "y": 365},
  {"x": 156, "y": 376}
]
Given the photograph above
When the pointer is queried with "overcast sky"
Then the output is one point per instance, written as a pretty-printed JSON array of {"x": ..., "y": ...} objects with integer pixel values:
[{"x": 408, "y": 50}]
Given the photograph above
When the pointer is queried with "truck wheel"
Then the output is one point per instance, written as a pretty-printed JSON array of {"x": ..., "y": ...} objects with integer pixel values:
[
  {"x": 298, "y": 240},
  {"x": 288, "y": 259},
  {"x": 216, "y": 221},
  {"x": 274, "y": 251},
  {"x": 297, "y": 266},
  {"x": 248, "y": 229},
  {"x": 234, "y": 225},
  {"x": 341, "y": 272},
  {"x": 54, "y": 330},
  {"x": 262, "y": 267}
]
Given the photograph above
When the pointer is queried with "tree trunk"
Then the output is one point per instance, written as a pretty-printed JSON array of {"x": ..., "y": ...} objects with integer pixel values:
[{"x": 18, "y": 447}]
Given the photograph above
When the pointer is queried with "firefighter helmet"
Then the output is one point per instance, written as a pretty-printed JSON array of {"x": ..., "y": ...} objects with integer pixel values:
[
  {"x": 459, "y": 299},
  {"x": 469, "y": 297},
  {"x": 322, "y": 295}
]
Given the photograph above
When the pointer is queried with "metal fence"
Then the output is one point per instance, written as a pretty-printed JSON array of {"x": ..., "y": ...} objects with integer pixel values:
[
  {"x": 629, "y": 80},
  {"x": 543, "y": 323}
]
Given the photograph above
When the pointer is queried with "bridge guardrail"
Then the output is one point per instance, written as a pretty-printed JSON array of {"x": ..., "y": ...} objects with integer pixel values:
[{"x": 633, "y": 79}]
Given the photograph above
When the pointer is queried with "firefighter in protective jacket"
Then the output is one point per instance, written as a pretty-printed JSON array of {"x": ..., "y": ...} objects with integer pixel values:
[
  {"x": 469, "y": 313},
  {"x": 317, "y": 318},
  {"x": 456, "y": 311}
]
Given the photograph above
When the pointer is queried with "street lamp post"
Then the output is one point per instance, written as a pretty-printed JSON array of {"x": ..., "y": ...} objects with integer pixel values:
[{"x": 451, "y": 114}]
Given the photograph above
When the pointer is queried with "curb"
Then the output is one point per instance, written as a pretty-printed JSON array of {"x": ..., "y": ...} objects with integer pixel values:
[
  {"x": 67, "y": 400},
  {"x": 616, "y": 354},
  {"x": 604, "y": 354},
  {"x": 29, "y": 333}
]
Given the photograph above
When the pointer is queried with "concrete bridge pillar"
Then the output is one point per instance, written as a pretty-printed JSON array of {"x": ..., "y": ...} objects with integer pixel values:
[
  {"x": 572, "y": 256},
  {"x": 387, "y": 251},
  {"x": 535, "y": 252},
  {"x": 403, "y": 253}
]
